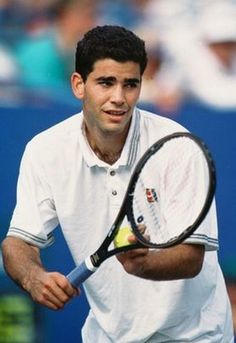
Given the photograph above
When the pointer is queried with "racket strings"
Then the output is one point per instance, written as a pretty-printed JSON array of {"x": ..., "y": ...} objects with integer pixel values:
[
  {"x": 171, "y": 190},
  {"x": 145, "y": 208},
  {"x": 150, "y": 217}
]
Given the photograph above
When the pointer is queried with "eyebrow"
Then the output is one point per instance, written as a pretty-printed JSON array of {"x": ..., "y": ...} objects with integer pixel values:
[
  {"x": 112, "y": 79},
  {"x": 132, "y": 80}
]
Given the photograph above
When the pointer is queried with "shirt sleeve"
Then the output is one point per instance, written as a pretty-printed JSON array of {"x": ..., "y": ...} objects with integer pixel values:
[
  {"x": 34, "y": 217},
  {"x": 207, "y": 233}
]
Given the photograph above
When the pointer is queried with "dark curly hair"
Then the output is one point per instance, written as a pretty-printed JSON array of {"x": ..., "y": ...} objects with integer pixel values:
[{"x": 109, "y": 41}]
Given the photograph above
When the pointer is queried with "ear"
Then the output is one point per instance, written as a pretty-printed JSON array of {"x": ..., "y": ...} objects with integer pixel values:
[{"x": 77, "y": 85}]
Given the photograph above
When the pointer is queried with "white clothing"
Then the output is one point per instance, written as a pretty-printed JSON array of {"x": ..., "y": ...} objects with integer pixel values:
[
  {"x": 62, "y": 181},
  {"x": 8, "y": 69},
  {"x": 199, "y": 72},
  {"x": 186, "y": 27}
]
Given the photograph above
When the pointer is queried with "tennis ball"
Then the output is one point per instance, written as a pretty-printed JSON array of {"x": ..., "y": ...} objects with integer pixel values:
[{"x": 121, "y": 238}]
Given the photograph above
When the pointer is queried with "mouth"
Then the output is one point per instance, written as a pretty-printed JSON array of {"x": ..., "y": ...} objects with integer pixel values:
[{"x": 115, "y": 113}]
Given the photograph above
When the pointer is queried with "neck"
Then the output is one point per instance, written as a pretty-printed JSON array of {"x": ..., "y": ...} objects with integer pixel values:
[
  {"x": 107, "y": 148},
  {"x": 109, "y": 157}
]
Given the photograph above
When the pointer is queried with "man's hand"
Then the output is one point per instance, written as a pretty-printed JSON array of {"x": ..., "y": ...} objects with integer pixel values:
[
  {"x": 23, "y": 264},
  {"x": 133, "y": 260},
  {"x": 178, "y": 262},
  {"x": 50, "y": 289}
]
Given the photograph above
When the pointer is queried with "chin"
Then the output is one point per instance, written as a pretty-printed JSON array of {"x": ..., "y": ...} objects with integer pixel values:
[{"x": 114, "y": 129}]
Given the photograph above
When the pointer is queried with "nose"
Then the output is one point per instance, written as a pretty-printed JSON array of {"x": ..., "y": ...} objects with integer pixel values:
[{"x": 118, "y": 95}]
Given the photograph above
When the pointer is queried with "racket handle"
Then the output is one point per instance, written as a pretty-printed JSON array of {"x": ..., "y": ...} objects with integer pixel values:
[{"x": 81, "y": 273}]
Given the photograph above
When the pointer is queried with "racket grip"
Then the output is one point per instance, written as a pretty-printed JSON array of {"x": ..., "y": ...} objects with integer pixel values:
[{"x": 81, "y": 273}]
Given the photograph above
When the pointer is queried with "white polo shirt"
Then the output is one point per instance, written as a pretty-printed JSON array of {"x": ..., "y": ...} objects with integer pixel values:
[{"x": 62, "y": 181}]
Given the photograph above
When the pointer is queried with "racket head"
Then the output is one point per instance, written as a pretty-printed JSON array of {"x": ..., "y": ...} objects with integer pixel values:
[{"x": 171, "y": 190}]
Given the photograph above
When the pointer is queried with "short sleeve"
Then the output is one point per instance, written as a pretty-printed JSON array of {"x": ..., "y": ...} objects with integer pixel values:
[{"x": 34, "y": 217}]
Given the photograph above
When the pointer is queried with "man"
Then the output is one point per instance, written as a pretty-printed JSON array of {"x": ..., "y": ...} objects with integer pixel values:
[{"x": 75, "y": 175}]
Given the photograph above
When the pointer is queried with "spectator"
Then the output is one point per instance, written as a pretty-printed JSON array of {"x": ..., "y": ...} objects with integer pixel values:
[
  {"x": 213, "y": 80},
  {"x": 8, "y": 66},
  {"x": 200, "y": 52},
  {"x": 46, "y": 59},
  {"x": 159, "y": 87},
  {"x": 122, "y": 12},
  {"x": 19, "y": 16}
]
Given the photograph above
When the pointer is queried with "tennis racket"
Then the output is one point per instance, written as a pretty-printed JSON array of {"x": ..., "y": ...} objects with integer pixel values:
[{"x": 170, "y": 191}]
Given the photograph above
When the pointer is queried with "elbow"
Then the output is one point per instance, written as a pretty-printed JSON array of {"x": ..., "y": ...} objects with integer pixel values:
[
  {"x": 195, "y": 270},
  {"x": 3, "y": 246},
  {"x": 196, "y": 264}
]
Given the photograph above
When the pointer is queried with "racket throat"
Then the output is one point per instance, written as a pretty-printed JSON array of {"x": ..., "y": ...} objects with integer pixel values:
[{"x": 98, "y": 257}]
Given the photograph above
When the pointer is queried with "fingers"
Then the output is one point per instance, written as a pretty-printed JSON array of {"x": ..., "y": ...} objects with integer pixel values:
[
  {"x": 132, "y": 254},
  {"x": 141, "y": 228},
  {"x": 52, "y": 290},
  {"x": 59, "y": 291},
  {"x": 134, "y": 260}
]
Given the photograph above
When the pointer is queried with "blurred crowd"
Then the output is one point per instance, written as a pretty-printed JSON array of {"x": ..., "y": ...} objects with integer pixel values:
[{"x": 191, "y": 46}]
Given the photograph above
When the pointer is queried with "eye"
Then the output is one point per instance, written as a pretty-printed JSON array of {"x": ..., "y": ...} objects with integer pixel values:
[
  {"x": 105, "y": 83},
  {"x": 131, "y": 85}
]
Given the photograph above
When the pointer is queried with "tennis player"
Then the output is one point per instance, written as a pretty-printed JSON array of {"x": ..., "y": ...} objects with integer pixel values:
[{"x": 75, "y": 174}]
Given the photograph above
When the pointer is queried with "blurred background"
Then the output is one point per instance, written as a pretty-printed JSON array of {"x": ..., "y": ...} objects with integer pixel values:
[{"x": 191, "y": 77}]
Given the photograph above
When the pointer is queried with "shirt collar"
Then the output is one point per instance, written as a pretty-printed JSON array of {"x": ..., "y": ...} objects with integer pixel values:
[{"x": 129, "y": 150}]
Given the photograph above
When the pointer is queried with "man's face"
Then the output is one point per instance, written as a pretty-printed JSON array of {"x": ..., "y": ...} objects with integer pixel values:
[{"x": 109, "y": 96}]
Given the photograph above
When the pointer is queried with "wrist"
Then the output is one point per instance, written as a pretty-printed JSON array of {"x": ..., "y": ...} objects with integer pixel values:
[{"x": 30, "y": 277}]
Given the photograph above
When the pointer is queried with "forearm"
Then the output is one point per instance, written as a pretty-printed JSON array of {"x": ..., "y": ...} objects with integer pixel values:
[
  {"x": 23, "y": 264},
  {"x": 179, "y": 262},
  {"x": 21, "y": 260}
]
